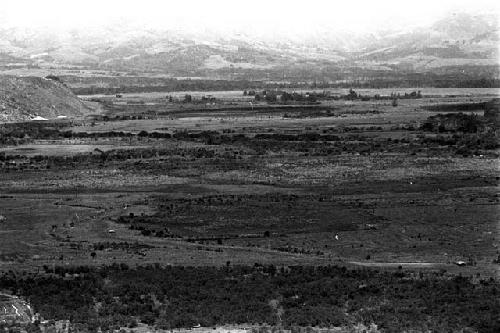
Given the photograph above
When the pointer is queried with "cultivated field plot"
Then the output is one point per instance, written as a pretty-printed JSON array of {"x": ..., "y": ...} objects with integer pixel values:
[{"x": 58, "y": 149}]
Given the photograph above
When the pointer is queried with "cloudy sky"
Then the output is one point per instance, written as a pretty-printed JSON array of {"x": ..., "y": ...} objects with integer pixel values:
[{"x": 249, "y": 16}]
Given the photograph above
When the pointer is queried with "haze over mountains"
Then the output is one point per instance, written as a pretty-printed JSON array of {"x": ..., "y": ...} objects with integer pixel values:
[{"x": 456, "y": 40}]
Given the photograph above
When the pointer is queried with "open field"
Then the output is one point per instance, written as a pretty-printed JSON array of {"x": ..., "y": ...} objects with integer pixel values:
[
  {"x": 238, "y": 94},
  {"x": 358, "y": 184},
  {"x": 338, "y": 213}
]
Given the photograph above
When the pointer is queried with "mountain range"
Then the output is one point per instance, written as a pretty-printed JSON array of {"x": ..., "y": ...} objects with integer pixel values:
[{"x": 456, "y": 41}]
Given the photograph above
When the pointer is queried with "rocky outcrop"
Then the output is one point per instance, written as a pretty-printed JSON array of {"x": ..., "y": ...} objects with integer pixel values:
[{"x": 14, "y": 310}]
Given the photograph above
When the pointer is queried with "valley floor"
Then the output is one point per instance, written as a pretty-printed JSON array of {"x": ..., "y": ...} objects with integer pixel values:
[{"x": 356, "y": 184}]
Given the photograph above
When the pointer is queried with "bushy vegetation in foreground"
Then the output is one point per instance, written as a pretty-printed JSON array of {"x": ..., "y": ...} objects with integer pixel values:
[{"x": 294, "y": 296}]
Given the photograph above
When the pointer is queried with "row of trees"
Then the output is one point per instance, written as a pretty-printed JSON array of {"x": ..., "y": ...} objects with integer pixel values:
[{"x": 285, "y": 97}]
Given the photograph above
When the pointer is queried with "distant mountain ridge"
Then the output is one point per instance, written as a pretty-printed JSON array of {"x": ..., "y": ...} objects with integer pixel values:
[{"x": 458, "y": 40}]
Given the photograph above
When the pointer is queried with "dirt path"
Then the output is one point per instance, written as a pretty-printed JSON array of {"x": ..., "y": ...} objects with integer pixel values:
[{"x": 403, "y": 264}]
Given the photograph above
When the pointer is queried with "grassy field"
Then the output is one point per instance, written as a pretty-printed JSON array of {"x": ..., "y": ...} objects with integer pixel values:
[{"x": 350, "y": 182}]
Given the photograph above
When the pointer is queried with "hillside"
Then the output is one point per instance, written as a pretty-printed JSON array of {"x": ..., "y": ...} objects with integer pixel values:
[
  {"x": 24, "y": 98},
  {"x": 456, "y": 40}
]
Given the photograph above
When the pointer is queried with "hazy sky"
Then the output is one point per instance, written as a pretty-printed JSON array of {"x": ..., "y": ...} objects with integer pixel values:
[{"x": 249, "y": 16}]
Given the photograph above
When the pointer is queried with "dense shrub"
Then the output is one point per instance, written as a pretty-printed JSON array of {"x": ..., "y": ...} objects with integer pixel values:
[{"x": 322, "y": 296}]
